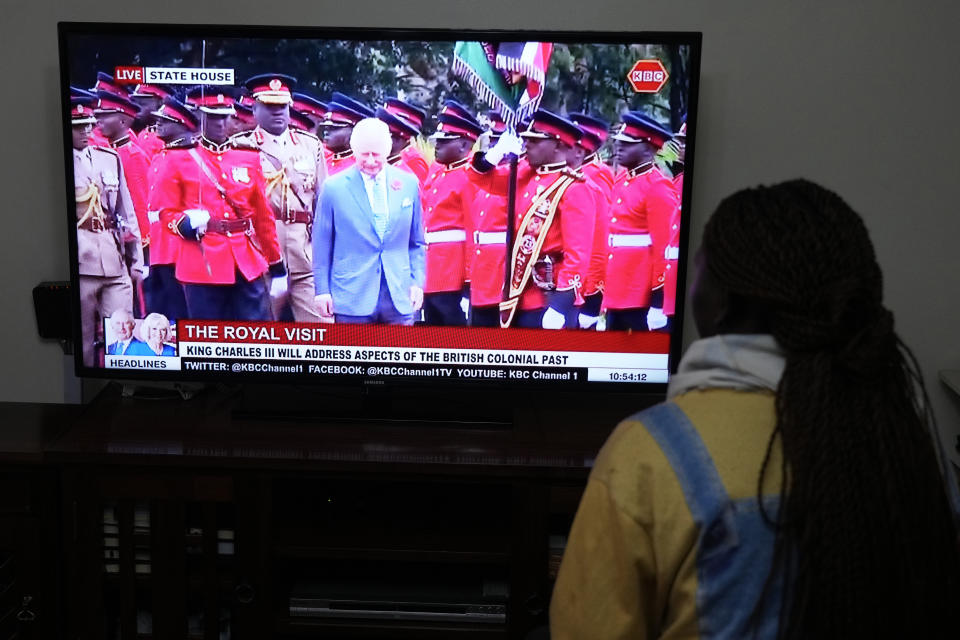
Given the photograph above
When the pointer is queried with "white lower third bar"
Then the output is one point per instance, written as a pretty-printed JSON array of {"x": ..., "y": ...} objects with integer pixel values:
[{"x": 606, "y": 374}]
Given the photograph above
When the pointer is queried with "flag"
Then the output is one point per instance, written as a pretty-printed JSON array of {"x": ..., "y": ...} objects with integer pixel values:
[{"x": 508, "y": 76}]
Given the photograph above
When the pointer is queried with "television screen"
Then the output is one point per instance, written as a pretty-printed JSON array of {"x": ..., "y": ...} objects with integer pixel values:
[{"x": 280, "y": 204}]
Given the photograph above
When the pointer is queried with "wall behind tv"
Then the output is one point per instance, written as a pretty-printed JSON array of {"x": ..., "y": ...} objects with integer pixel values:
[{"x": 860, "y": 96}]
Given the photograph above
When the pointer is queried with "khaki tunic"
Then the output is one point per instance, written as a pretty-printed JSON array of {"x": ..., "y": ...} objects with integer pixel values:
[{"x": 294, "y": 170}]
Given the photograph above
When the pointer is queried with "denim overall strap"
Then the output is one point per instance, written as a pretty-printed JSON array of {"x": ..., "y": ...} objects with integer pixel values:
[{"x": 734, "y": 545}]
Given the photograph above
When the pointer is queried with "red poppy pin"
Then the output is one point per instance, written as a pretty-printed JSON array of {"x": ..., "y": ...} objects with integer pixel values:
[{"x": 395, "y": 185}]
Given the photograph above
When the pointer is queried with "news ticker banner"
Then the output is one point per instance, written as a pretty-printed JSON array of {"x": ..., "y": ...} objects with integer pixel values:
[{"x": 424, "y": 352}]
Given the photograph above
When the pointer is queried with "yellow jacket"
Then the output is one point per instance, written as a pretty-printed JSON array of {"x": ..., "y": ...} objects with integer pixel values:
[{"x": 631, "y": 568}]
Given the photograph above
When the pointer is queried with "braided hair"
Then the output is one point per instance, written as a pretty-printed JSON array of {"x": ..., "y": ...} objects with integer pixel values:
[{"x": 865, "y": 541}]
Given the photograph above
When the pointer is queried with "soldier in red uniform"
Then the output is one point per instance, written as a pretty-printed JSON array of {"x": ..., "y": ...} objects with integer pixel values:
[
  {"x": 642, "y": 199},
  {"x": 177, "y": 126},
  {"x": 242, "y": 119},
  {"x": 553, "y": 224},
  {"x": 115, "y": 116},
  {"x": 403, "y": 131},
  {"x": 149, "y": 97},
  {"x": 599, "y": 174},
  {"x": 310, "y": 108},
  {"x": 344, "y": 112},
  {"x": 294, "y": 171},
  {"x": 448, "y": 195},
  {"x": 487, "y": 245},
  {"x": 672, "y": 252},
  {"x": 213, "y": 197}
]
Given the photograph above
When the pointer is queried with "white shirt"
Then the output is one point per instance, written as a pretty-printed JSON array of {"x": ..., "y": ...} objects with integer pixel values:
[{"x": 379, "y": 182}]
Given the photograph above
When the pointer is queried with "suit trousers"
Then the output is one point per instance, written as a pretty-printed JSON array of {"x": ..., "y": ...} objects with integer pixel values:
[
  {"x": 384, "y": 313},
  {"x": 100, "y": 296}
]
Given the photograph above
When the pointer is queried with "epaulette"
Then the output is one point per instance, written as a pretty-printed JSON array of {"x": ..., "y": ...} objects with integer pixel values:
[
  {"x": 183, "y": 143},
  {"x": 105, "y": 150},
  {"x": 307, "y": 134},
  {"x": 242, "y": 137},
  {"x": 243, "y": 145}
]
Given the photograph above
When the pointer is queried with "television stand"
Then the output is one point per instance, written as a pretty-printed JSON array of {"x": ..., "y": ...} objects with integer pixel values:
[
  {"x": 374, "y": 406},
  {"x": 214, "y": 521}
]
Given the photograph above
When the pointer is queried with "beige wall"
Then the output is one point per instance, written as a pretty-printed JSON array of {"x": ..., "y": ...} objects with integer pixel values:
[{"x": 861, "y": 97}]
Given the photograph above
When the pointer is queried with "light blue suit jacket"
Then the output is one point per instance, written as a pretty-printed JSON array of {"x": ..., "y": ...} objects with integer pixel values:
[{"x": 349, "y": 256}]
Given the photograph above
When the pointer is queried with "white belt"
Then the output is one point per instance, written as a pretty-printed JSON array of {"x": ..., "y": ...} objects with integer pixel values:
[
  {"x": 671, "y": 253},
  {"x": 153, "y": 216},
  {"x": 447, "y": 235},
  {"x": 489, "y": 237},
  {"x": 630, "y": 240}
]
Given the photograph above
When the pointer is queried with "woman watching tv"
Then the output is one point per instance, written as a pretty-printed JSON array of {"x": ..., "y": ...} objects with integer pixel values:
[{"x": 791, "y": 485}]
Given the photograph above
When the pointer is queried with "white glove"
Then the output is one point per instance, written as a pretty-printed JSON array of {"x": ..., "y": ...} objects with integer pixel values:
[
  {"x": 509, "y": 142},
  {"x": 586, "y": 321},
  {"x": 552, "y": 319},
  {"x": 465, "y": 305},
  {"x": 656, "y": 319},
  {"x": 278, "y": 286},
  {"x": 198, "y": 220},
  {"x": 144, "y": 271}
]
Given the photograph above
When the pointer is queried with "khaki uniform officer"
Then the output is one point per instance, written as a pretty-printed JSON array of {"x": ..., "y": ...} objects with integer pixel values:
[
  {"x": 104, "y": 212},
  {"x": 294, "y": 171}
]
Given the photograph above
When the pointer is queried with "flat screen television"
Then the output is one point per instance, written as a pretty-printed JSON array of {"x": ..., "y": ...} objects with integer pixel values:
[{"x": 378, "y": 205}]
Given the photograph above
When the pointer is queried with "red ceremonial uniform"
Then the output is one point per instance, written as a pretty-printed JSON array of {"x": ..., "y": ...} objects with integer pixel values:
[
  {"x": 150, "y": 142},
  {"x": 487, "y": 235},
  {"x": 164, "y": 243},
  {"x": 410, "y": 159},
  {"x": 136, "y": 168},
  {"x": 97, "y": 139},
  {"x": 659, "y": 219},
  {"x": 447, "y": 195},
  {"x": 601, "y": 175},
  {"x": 672, "y": 253},
  {"x": 638, "y": 196},
  {"x": 183, "y": 185},
  {"x": 337, "y": 162},
  {"x": 570, "y": 237}
]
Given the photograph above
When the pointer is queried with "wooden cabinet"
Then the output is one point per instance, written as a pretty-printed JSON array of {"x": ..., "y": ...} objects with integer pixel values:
[{"x": 176, "y": 519}]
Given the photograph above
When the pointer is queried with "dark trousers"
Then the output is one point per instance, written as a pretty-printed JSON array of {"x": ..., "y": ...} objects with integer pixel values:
[
  {"x": 163, "y": 293},
  {"x": 384, "y": 313},
  {"x": 241, "y": 300},
  {"x": 530, "y": 319},
  {"x": 624, "y": 319},
  {"x": 442, "y": 309},
  {"x": 485, "y": 316}
]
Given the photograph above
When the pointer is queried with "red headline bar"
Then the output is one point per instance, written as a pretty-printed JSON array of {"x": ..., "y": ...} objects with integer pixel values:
[{"x": 421, "y": 337}]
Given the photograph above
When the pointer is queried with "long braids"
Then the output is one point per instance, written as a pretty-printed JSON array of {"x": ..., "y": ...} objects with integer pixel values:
[{"x": 865, "y": 541}]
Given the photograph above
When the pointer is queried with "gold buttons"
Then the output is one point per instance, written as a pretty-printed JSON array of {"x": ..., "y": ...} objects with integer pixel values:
[
  {"x": 613, "y": 219},
  {"x": 619, "y": 200}
]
